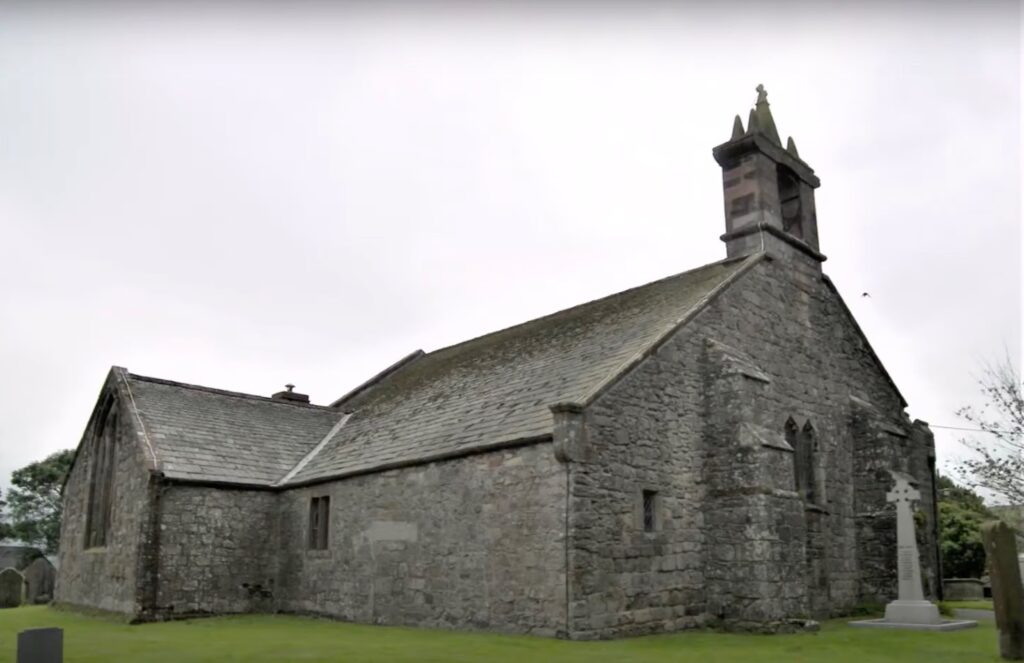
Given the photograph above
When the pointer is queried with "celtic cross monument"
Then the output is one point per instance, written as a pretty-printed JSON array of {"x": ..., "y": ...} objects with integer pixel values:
[
  {"x": 910, "y": 610},
  {"x": 910, "y": 607}
]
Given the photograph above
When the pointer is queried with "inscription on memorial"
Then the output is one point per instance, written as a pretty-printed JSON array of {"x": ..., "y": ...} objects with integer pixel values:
[{"x": 906, "y": 563}]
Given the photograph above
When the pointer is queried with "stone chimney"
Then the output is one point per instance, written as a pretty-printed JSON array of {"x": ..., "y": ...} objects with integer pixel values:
[
  {"x": 769, "y": 190},
  {"x": 291, "y": 395}
]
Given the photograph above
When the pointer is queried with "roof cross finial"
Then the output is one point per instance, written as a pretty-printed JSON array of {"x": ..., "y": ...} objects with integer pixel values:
[{"x": 761, "y": 121}]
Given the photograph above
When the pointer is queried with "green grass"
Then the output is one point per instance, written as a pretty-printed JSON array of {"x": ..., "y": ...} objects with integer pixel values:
[
  {"x": 980, "y": 604},
  {"x": 259, "y": 638}
]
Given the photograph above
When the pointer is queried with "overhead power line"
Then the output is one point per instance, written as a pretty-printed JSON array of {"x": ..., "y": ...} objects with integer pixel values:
[{"x": 972, "y": 430}]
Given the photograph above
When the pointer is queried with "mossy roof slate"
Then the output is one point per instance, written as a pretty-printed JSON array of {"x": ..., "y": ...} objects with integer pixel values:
[
  {"x": 498, "y": 388},
  {"x": 202, "y": 434},
  {"x": 489, "y": 391}
]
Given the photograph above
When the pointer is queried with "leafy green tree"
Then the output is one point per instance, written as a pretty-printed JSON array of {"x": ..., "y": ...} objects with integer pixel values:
[
  {"x": 961, "y": 514},
  {"x": 35, "y": 500}
]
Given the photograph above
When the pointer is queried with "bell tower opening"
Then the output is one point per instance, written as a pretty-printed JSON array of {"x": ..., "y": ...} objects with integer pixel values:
[
  {"x": 768, "y": 191},
  {"x": 789, "y": 201}
]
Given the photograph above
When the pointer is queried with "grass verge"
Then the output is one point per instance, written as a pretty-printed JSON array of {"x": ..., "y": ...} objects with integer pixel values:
[{"x": 262, "y": 638}]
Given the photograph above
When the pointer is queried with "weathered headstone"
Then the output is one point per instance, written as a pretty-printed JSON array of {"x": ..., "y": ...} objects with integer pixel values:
[
  {"x": 963, "y": 589},
  {"x": 1007, "y": 593},
  {"x": 40, "y": 577},
  {"x": 12, "y": 588},
  {"x": 910, "y": 607},
  {"x": 41, "y": 645}
]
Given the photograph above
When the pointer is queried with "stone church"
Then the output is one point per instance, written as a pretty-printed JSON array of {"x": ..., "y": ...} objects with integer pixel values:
[{"x": 713, "y": 448}]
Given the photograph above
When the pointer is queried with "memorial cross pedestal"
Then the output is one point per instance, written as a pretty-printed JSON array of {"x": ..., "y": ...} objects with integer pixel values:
[
  {"x": 910, "y": 607},
  {"x": 910, "y": 610}
]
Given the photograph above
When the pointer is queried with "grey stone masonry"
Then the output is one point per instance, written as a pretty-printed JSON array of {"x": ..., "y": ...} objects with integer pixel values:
[
  {"x": 218, "y": 551},
  {"x": 475, "y": 542},
  {"x": 701, "y": 422},
  {"x": 116, "y": 566}
]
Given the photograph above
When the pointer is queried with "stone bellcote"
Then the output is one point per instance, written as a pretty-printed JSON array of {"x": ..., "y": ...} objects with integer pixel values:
[{"x": 769, "y": 190}]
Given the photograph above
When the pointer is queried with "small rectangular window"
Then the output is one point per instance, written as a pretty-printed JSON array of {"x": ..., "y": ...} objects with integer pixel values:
[
  {"x": 650, "y": 501},
  {"x": 319, "y": 518}
]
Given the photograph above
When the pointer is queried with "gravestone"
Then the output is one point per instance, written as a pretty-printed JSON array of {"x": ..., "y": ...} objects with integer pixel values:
[
  {"x": 40, "y": 577},
  {"x": 1007, "y": 593},
  {"x": 910, "y": 610},
  {"x": 12, "y": 588},
  {"x": 41, "y": 645},
  {"x": 963, "y": 589}
]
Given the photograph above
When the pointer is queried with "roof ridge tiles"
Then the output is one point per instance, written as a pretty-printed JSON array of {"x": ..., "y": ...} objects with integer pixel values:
[
  {"x": 225, "y": 392},
  {"x": 581, "y": 305}
]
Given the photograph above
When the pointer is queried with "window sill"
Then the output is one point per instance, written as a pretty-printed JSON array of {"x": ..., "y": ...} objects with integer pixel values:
[
  {"x": 96, "y": 550},
  {"x": 318, "y": 554},
  {"x": 816, "y": 508}
]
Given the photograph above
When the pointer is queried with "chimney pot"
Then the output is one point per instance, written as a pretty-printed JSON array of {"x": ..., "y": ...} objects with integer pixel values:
[{"x": 291, "y": 395}]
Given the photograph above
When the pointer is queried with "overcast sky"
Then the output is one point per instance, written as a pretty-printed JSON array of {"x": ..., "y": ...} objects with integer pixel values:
[{"x": 243, "y": 197}]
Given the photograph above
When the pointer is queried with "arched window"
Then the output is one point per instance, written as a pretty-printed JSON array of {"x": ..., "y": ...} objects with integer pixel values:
[
  {"x": 792, "y": 431},
  {"x": 101, "y": 480},
  {"x": 803, "y": 461}
]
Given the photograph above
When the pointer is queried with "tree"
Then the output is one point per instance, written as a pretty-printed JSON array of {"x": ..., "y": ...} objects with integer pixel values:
[
  {"x": 5, "y": 527},
  {"x": 961, "y": 514},
  {"x": 35, "y": 500},
  {"x": 999, "y": 464}
]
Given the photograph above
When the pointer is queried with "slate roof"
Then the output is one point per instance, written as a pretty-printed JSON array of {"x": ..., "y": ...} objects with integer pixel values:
[
  {"x": 498, "y": 388},
  {"x": 212, "y": 435},
  {"x": 491, "y": 390}
]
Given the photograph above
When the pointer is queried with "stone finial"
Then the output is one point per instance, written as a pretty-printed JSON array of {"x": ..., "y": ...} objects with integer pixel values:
[
  {"x": 290, "y": 387},
  {"x": 765, "y": 122},
  {"x": 791, "y": 147},
  {"x": 737, "y": 128},
  {"x": 752, "y": 122}
]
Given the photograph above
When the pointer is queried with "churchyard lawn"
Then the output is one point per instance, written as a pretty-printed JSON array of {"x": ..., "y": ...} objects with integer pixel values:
[
  {"x": 979, "y": 604},
  {"x": 279, "y": 638}
]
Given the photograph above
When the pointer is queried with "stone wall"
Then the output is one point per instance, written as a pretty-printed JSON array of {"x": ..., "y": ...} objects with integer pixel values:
[
  {"x": 218, "y": 551},
  {"x": 106, "y": 578},
  {"x": 473, "y": 542},
  {"x": 700, "y": 421},
  {"x": 641, "y": 435}
]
